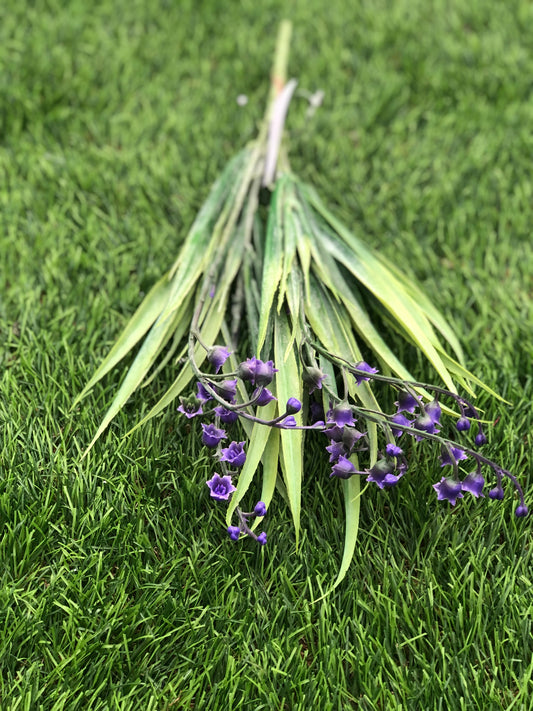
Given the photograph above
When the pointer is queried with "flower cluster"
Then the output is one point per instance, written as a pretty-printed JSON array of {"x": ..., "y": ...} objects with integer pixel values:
[
  {"x": 413, "y": 418},
  {"x": 216, "y": 398}
]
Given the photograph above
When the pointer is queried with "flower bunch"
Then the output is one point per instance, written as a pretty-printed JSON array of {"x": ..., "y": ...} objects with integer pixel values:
[{"x": 268, "y": 270}]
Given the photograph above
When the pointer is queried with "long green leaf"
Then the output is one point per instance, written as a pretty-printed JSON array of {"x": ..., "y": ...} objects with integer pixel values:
[
  {"x": 388, "y": 291},
  {"x": 289, "y": 384},
  {"x": 272, "y": 261},
  {"x": 137, "y": 326},
  {"x": 270, "y": 460},
  {"x": 210, "y": 329},
  {"x": 352, "y": 506},
  {"x": 256, "y": 448}
]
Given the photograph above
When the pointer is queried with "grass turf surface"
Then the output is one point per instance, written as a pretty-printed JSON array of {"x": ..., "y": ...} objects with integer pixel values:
[{"x": 119, "y": 589}]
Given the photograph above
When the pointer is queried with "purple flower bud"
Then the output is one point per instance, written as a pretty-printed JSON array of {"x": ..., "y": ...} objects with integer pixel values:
[
  {"x": 393, "y": 450},
  {"x": 521, "y": 510},
  {"x": 234, "y": 532},
  {"x": 400, "y": 419},
  {"x": 406, "y": 402},
  {"x": 217, "y": 356},
  {"x": 226, "y": 416},
  {"x": 473, "y": 483},
  {"x": 343, "y": 469},
  {"x": 262, "y": 538},
  {"x": 496, "y": 493},
  {"x": 234, "y": 454},
  {"x": 341, "y": 415},
  {"x": 211, "y": 435},
  {"x": 264, "y": 398},
  {"x": 260, "y": 508},
  {"x": 293, "y": 405},
  {"x": 190, "y": 407},
  {"x": 433, "y": 411},
  {"x": 480, "y": 439},
  {"x": 462, "y": 424},
  {"x": 221, "y": 487},
  {"x": 449, "y": 490},
  {"x": 367, "y": 369},
  {"x": 313, "y": 378},
  {"x": 288, "y": 422},
  {"x": 227, "y": 390}
]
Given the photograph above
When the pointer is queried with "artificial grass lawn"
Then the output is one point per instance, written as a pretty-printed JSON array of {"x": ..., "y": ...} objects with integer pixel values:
[{"x": 119, "y": 588}]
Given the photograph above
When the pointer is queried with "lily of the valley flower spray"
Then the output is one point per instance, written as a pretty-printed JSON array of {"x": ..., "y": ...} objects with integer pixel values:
[{"x": 300, "y": 289}]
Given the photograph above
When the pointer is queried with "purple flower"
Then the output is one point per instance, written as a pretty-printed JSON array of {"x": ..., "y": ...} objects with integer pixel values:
[
  {"x": 226, "y": 416},
  {"x": 203, "y": 395},
  {"x": 473, "y": 483},
  {"x": 334, "y": 434},
  {"x": 400, "y": 419},
  {"x": 343, "y": 469},
  {"x": 350, "y": 436},
  {"x": 264, "y": 372},
  {"x": 256, "y": 371},
  {"x": 393, "y": 450},
  {"x": 293, "y": 405},
  {"x": 262, "y": 538},
  {"x": 313, "y": 378},
  {"x": 221, "y": 487},
  {"x": 457, "y": 454},
  {"x": 227, "y": 390},
  {"x": 480, "y": 439},
  {"x": 462, "y": 424},
  {"x": 190, "y": 407},
  {"x": 234, "y": 532},
  {"x": 211, "y": 435},
  {"x": 341, "y": 415},
  {"x": 425, "y": 423},
  {"x": 234, "y": 454},
  {"x": 217, "y": 356},
  {"x": 246, "y": 370},
  {"x": 367, "y": 369},
  {"x": 335, "y": 450},
  {"x": 433, "y": 411},
  {"x": 448, "y": 489},
  {"x": 521, "y": 510},
  {"x": 260, "y": 508},
  {"x": 496, "y": 493},
  {"x": 265, "y": 396},
  {"x": 406, "y": 402},
  {"x": 381, "y": 474}
]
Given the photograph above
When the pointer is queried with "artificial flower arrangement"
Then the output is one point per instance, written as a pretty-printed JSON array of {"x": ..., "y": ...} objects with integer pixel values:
[{"x": 305, "y": 287}]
